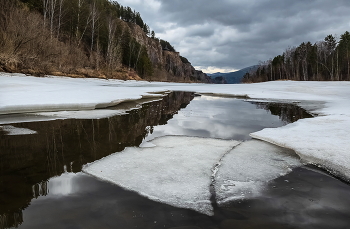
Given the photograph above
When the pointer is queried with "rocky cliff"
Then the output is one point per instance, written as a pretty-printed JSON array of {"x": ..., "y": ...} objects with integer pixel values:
[{"x": 168, "y": 66}]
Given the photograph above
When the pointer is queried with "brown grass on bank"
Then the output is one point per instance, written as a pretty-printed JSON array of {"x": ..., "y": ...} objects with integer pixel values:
[{"x": 27, "y": 47}]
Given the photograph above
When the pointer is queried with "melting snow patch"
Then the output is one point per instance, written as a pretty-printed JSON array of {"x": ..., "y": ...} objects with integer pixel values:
[
  {"x": 248, "y": 167},
  {"x": 176, "y": 171},
  {"x": 11, "y": 130},
  {"x": 322, "y": 141}
]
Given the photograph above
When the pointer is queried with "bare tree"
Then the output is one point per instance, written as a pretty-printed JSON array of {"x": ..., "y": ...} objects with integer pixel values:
[
  {"x": 52, "y": 10},
  {"x": 111, "y": 45},
  {"x": 45, "y": 10},
  {"x": 88, "y": 20},
  {"x": 94, "y": 18},
  {"x": 60, "y": 15},
  {"x": 80, "y": 2}
]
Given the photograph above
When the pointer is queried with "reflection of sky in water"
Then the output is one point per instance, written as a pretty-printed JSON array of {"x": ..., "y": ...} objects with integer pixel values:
[
  {"x": 224, "y": 118},
  {"x": 305, "y": 198},
  {"x": 61, "y": 185},
  {"x": 301, "y": 199}
]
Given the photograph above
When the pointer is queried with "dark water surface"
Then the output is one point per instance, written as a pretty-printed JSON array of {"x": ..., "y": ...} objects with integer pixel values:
[{"x": 42, "y": 186}]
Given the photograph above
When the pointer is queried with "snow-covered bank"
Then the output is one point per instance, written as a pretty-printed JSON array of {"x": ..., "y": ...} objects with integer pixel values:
[{"x": 23, "y": 94}]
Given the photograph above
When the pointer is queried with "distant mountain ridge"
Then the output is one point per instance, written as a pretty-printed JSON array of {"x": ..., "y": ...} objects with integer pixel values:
[{"x": 232, "y": 77}]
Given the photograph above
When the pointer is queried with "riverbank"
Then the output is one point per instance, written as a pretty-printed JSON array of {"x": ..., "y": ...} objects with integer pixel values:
[{"x": 321, "y": 140}]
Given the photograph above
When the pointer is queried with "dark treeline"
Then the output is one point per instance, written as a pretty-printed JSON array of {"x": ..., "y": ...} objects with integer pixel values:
[
  {"x": 48, "y": 36},
  {"x": 326, "y": 60}
]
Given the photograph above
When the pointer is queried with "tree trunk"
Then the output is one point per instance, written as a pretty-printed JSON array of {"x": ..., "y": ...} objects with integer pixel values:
[
  {"x": 59, "y": 18},
  {"x": 94, "y": 18},
  {"x": 52, "y": 15}
]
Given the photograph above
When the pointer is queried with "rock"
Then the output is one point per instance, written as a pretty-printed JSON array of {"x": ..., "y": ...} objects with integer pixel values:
[{"x": 167, "y": 65}]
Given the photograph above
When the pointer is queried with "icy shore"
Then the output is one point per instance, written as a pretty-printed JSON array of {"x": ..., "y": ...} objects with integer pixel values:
[{"x": 321, "y": 140}]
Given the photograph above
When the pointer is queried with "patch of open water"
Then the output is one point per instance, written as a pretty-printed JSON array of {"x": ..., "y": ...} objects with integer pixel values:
[{"x": 42, "y": 186}]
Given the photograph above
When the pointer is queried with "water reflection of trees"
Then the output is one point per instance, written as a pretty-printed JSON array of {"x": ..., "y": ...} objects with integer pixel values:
[
  {"x": 27, "y": 162},
  {"x": 13, "y": 219},
  {"x": 288, "y": 113}
]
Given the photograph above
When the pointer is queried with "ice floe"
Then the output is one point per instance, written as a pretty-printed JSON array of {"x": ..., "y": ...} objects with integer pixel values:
[
  {"x": 176, "y": 171},
  {"x": 322, "y": 141},
  {"x": 247, "y": 168},
  {"x": 11, "y": 130}
]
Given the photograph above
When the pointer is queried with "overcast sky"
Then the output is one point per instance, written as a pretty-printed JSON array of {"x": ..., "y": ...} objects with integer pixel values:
[{"x": 227, "y": 35}]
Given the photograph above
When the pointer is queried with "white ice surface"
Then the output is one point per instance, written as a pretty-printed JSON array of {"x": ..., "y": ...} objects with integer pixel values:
[
  {"x": 11, "y": 130},
  {"x": 176, "y": 171},
  {"x": 323, "y": 141},
  {"x": 247, "y": 168}
]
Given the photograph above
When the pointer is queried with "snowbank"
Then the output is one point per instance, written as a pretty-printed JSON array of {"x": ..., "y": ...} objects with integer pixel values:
[
  {"x": 23, "y": 94},
  {"x": 175, "y": 170}
]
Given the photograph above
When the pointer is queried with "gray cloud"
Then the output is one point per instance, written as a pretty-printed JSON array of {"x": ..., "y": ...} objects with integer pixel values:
[{"x": 233, "y": 34}]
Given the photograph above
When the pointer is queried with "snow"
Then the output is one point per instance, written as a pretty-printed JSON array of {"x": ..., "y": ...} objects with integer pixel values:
[
  {"x": 22, "y": 94},
  {"x": 11, "y": 130},
  {"x": 175, "y": 171},
  {"x": 247, "y": 168}
]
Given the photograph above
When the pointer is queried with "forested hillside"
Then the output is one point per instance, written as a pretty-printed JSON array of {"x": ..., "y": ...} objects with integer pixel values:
[
  {"x": 326, "y": 60},
  {"x": 91, "y": 38}
]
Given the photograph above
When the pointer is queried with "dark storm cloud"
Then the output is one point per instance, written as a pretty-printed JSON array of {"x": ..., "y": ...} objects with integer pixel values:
[{"x": 233, "y": 34}]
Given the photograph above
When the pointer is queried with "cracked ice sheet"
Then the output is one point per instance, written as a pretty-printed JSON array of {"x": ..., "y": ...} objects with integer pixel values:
[
  {"x": 176, "y": 171},
  {"x": 11, "y": 130},
  {"x": 247, "y": 168},
  {"x": 322, "y": 141}
]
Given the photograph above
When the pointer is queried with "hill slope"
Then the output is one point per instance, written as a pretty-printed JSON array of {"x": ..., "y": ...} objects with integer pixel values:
[{"x": 97, "y": 38}]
